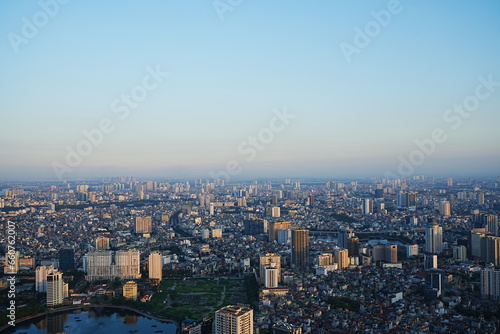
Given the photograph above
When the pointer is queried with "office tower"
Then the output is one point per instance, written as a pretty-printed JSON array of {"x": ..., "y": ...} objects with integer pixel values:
[
  {"x": 449, "y": 182},
  {"x": 265, "y": 261},
  {"x": 430, "y": 261},
  {"x": 284, "y": 236},
  {"x": 102, "y": 243},
  {"x": 143, "y": 225},
  {"x": 300, "y": 248},
  {"x": 66, "y": 258},
  {"x": 492, "y": 250},
  {"x": 460, "y": 253},
  {"x": 155, "y": 265},
  {"x": 128, "y": 264},
  {"x": 41, "y": 273},
  {"x": 55, "y": 292},
  {"x": 271, "y": 278},
  {"x": 341, "y": 257},
  {"x": 276, "y": 212},
  {"x": 343, "y": 235},
  {"x": 233, "y": 320},
  {"x": 434, "y": 283},
  {"x": 434, "y": 239},
  {"x": 130, "y": 290},
  {"x": 445, "y": 208},
  {"x": 490, "y": 283},
  {"x": 379, "y": 193},
  {"x": 353, "y": 246},
  {"x": 325, "y": 259},
  {"x": 411, "y": 250},
  {"x": 390, "y": 253},
  {"x": 273, "y": 228},
  {"x": 367, "y": 206}
]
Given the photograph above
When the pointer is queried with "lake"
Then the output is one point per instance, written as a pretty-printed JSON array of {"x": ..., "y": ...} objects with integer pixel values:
[{"x": 106, "y": 321}]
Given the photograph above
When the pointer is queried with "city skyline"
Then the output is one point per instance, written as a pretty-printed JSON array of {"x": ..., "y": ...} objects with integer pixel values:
[{"x": 249, "y": 90}]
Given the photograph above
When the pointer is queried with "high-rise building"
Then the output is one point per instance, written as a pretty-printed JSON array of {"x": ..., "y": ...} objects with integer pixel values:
[
  {"x": 445, "y": 208},
  {"x": 300, "y": 248},
  {"x": 41, "y": 273},
  {"x": 353, "y": 246},
  {"x": 378, "y": 253},
  {"x": 449, "y": 182},
  {"x": 284, "y": 236},
  {"x": 128, "y": 264},
  {"x": 411, "y": 250},
  {"x": 430, "y": 261},
  {"x": 12, "y": 263},
  {"x": 130, "y": 290},
  {"x": 480, "y": 198},
  {"x": 434, "y": 283},
  {"x": 102, "y": 243},
  {"x": 55, "y": 288},
  {"x": 434, "y": 239},
  {"x": 491, "y": 223},
  {"x": 276, "y": 212},
  {"x": 255, "y": 227},
  {"x": 490, "y": 283},
  {"x": 233, "y": 320},
  {"x": 155, "y": 265},
  {"x": 367, "y": 206},
  {"x": 273, "y": 228},
  {"x": 478, "y": 243},
  {"x": 265, "y": 261},
  {"x": 341, "y": 257},
  {"x": 406, "y": 200},
  {"x": 143, "y": 225},
  {"x": 492, "y": 250},
  {"x": 325, "y": 259},
  {"x": 216, "y": 233},
  {"x": 343, "y": 236},
  {"x": 108, "y": 265},
  {"x": 271, "y": 278},
  {"x": 390, "y": 253},
  {"x": 66, "y": 258},
  {"x": 460, "y": 253}
]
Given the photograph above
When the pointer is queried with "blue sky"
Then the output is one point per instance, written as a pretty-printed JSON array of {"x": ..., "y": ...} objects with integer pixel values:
[{"x": 225, "y": 78}]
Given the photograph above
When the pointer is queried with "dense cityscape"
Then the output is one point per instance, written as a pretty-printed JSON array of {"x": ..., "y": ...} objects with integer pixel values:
[{"x": 408, "y": 255}]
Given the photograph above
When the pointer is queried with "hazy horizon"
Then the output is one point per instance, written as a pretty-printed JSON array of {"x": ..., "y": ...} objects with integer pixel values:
[{"x": 252, "y": 89}]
